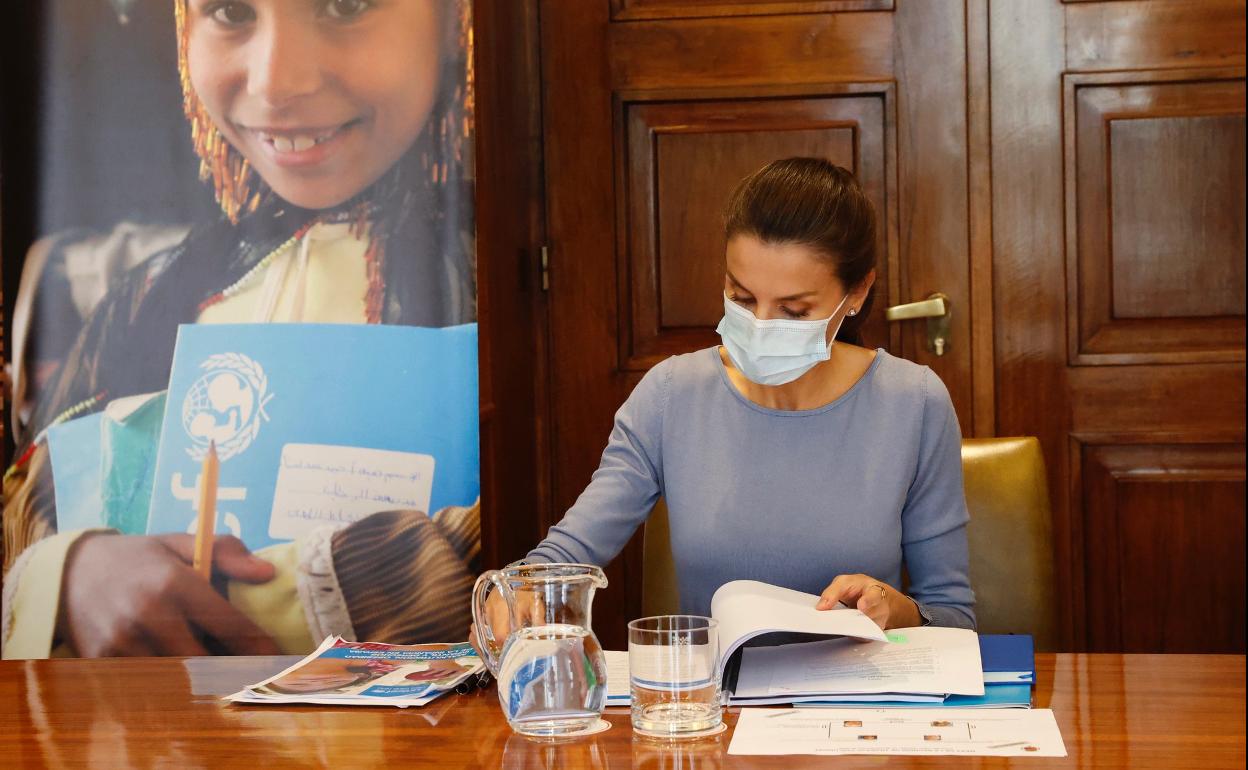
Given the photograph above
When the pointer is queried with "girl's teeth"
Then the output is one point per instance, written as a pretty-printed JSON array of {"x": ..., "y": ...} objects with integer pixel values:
[{"x": 296, "y": 143}]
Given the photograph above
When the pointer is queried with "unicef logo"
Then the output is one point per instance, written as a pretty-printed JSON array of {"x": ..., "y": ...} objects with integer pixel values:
[{"x": 226, "y": 405}]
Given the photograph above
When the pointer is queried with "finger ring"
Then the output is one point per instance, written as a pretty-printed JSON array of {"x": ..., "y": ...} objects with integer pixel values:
[{"x": 883, "y": 592}]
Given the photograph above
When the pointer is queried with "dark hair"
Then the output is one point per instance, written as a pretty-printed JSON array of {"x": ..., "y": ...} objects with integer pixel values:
[{"x": 816, "y": 203}]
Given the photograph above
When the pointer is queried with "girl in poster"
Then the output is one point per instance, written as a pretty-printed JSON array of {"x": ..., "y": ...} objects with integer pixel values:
[{"x": 336, "y": 135}]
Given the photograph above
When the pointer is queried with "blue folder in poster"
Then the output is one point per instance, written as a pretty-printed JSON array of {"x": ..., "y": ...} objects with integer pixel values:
[{"x": 317, "y": 424}]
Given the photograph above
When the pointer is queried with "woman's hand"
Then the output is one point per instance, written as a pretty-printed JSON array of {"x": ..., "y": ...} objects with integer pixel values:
[
  {"x": 500, "y": 625},
  {"x": 887, "y": 606},
  {"x": 138, "y": 595}
]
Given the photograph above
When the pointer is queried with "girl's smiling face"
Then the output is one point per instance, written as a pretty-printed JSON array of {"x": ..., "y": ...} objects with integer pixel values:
[{"x": 322, "y": 97}]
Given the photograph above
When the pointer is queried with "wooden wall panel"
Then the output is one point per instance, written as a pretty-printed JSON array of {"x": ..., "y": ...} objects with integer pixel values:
[
  {"x": 681, "y": 162},
  {"x": 1119, "y": 124},
  {"x": 1148, "y": 34},
  {"x": 1180, "y": 253},
  {"x": 1155, "y": 216},
  {"x": 799, "y": 49},
  {"x": 622, "y": 10},
  {"x": 514, "y": 466},
  {"x": 1163, "y": 533}
]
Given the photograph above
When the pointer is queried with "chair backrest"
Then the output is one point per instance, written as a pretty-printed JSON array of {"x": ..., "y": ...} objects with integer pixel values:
[
  {"x": 658, "y": 572},
  {"x": 1010, "y": 538}
]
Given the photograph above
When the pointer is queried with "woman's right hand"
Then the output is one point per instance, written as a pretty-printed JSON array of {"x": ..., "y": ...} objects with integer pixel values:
[
  {"x": 500, "y": 624},
  {"x": 134, "y": 595}
]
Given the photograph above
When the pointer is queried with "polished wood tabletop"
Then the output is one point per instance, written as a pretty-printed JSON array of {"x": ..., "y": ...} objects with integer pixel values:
[{"x": 1137, "y": 711}]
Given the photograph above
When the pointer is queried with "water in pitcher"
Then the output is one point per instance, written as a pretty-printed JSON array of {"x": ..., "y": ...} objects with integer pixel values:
[{"x": 552, "y": 680}]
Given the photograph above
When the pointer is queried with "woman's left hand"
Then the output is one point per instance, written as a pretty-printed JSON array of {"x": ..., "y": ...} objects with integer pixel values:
[{"x": 887, "y": 606}]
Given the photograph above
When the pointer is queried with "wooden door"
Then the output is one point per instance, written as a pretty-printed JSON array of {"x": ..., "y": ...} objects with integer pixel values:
[
  {"x": 1118, "y": 241},
  {"x": 653, "y": 109}
]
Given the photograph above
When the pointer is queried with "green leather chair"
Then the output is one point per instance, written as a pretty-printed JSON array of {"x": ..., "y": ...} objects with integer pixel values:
[{"x": 1010, "y": 537}]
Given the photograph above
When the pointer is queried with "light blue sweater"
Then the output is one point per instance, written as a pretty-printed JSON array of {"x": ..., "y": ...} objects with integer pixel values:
[{"x": 794, "y": 498}]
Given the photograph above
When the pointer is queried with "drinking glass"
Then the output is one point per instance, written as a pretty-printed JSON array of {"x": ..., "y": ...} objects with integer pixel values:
[{"x": 674, "y": 678}]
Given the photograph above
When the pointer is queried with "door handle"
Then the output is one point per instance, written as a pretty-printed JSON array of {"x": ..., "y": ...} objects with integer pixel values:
[{"x": 935, "y": 308}]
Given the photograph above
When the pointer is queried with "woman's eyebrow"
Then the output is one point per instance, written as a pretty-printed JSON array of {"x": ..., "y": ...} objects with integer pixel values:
[
  {"x": 790, "y": 298},
  {"x": 796, "y": 297},
  {"x": 735, "y": 282}
]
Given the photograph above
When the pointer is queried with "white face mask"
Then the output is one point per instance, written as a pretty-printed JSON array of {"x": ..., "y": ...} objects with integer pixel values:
[{"x": 776, "y": 351}]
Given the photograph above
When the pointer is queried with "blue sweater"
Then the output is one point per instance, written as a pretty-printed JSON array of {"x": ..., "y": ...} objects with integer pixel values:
[{"x": 794, "y": 498}]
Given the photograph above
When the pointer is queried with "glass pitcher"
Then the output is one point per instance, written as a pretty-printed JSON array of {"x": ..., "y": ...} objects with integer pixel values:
[{"x": 551, "y": 672}]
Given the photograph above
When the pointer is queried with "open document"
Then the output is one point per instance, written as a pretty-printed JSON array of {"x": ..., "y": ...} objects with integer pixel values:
[
  {"x": 855, "y": 661},
  {"x": 914, "y": 732},
  {"x": 916, "y": 664},
  {"x": 369, "y": 674},
  {"x": 747, "y": 609}
]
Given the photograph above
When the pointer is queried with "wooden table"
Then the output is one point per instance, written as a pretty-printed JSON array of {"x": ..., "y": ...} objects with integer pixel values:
[{"x": 1137, "y": 711}]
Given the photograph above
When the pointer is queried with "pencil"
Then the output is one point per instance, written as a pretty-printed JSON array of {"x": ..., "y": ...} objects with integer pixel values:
[{"x": 206, "y": 512}]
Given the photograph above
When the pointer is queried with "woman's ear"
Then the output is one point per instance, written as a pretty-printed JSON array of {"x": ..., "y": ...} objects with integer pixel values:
[{"x": 859, "y": 295}]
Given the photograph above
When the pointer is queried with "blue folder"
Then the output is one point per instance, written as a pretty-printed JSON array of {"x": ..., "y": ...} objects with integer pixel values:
[
  {"x": 996, "y": 696},
  {"x": 1007, "y": 658}
]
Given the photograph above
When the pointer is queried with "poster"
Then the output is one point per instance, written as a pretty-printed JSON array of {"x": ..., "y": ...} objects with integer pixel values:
[{"x": 232, "y": 162}]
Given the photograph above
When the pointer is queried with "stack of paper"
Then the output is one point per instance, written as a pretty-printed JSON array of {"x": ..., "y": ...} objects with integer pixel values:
[
  {"x": 915, "y": 665},
  {"x": 1009, "y": 671},
  {"x": 368, "y": 674},
  {"x": 916, "y": 668}
]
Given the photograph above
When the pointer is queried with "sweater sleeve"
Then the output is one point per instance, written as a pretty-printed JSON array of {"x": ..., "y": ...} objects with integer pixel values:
[
  {"x": 623, "y": 490},
  {"x": 934, "y": 517}
]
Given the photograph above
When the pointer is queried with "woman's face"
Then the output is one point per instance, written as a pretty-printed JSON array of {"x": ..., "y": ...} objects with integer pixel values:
[
  {"x": 321, "y": 96},
  {"x": 787, "y": 280}
]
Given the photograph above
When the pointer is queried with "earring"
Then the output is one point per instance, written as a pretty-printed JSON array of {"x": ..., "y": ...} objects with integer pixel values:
[{"x": 853, "y": 311}]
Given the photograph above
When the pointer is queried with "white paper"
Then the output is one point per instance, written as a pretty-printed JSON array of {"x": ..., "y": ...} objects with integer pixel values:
[
  {"x": 923, "y": 661},
  {"x": 748, "y": 608},
  {"x": 319, "y": 484},
  {"x": 914, "y": 732},
  {"x": 618, "y": 691}
]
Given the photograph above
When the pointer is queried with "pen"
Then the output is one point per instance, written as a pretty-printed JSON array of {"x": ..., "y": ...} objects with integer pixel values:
[
  {"x": 482, "y": 679},
  {"x": 206, "y": 512}
]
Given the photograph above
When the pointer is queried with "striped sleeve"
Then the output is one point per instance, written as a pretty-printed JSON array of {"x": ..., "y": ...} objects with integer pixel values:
[{"x": 403, "y": 579}]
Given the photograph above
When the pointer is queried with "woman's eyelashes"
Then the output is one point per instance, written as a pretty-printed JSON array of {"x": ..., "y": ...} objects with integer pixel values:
[{"x": 748, "y": 302}]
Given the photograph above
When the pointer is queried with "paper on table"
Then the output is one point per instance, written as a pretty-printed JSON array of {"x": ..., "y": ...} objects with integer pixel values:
[
  {"x": 925, "y": 660},
  {"x": 914, "y": 732},
  {"x": 618, "y": 691},
  {"x": 747, "y": 608}
]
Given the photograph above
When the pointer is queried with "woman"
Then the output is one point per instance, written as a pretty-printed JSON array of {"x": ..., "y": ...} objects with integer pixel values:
[
  {"x": 334, "y": 133},
  {"x": 790, "y": 454}
]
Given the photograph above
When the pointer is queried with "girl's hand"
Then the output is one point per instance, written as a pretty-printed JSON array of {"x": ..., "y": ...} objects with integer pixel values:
[
  {"x": 138, "y": 595},
  {"x": 887, "y": 606}
]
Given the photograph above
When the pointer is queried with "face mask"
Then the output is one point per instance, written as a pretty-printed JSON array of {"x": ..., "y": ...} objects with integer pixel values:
[{"x": 777, "y": 351}]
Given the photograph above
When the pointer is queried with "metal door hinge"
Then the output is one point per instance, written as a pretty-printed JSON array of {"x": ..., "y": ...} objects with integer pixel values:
[{"x": 545, "y": 264}]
